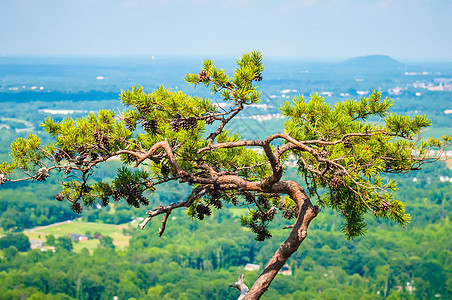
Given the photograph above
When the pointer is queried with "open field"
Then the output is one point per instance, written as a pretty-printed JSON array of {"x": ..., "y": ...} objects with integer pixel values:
[
  {"x": 114, "y": 231},
  {"x": 25, "y": 122},
  {"x": 238, "y": 211}
]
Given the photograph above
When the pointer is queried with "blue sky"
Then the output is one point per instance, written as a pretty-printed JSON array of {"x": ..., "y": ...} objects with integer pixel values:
[{"x": 403, "y": 29}]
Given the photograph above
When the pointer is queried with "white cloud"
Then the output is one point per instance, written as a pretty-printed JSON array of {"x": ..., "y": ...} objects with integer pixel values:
[{"x": 384, "y": 4}]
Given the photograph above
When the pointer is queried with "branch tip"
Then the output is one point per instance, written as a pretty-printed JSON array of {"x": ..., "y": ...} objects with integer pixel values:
[
  {"x": 165, "y": 219},
  {"x": 241, "y": 286},
  {"x": 143, "y": 224}
]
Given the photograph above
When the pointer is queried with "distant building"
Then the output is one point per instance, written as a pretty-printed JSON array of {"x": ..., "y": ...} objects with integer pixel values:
[
  {"x": 445, "y": 179},
  {"x": 78, "y": 237},
  {"x": 36, "y": 244},
  {"x": 48, "y": 248},
  {"x": 252, "y": 267}
]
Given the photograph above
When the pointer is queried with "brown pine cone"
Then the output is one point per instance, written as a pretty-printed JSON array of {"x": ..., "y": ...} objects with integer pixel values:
[
  {"x": 149, "y": 125},
  {"x": 203, "y": 76},
  {"x": 104, "y": 201},
  {"x": 384, "y": 205},
  {"x": 67, "y": 169},
  {"x": 335, "y": 182},
  {"x": 77, "y": 208},
  {"x": 59, "y": 196},
  {"x": 209, "y": 119},
  {"x": 2, "y": 178},
  {"x": 42, "y": 174},
  {"x": 58, "y": 156}
]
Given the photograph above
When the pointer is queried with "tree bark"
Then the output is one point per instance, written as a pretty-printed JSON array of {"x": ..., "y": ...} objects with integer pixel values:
[{"x": 306, "y": 213}]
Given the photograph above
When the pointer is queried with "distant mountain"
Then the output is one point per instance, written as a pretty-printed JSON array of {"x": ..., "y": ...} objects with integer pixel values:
[{"x": 371, "y": 63}]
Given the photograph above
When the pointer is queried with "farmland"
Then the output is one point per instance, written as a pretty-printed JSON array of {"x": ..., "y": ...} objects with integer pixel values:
[{"x": 61, "y": 229}]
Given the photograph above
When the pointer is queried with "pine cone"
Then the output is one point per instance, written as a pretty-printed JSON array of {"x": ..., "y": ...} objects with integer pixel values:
[
  {"x": 93, "y": 155},
  {"x": 202, "y": 210},
  {"x": 216, "y": 203},
  {"x": 258, "y": 77},
  {"x": 58, "y": 156},
  {"x": 209, "y": 119},
  {"x": 135, "y": 192},
  {"x": 203, "y": 76},
  {"x": 258, "y": 215},
  {"x": 186, "y": 123},
  {"x": 384, "y": 205},
  {"x": 104, "y": 143},
  {"x": 101, "y": 139},
  {"x": 143, "y": 200},
  {"x": 215, "y": 193},
  {"x": 2, "y": 178},
  {"x": 118, "y": 193},
  {"x": 262, "y": 235},
  {"x": 149, "y": 125},
  {"x": 77, "y": 208},
  {"x": 249, "y": 198},
  {"x": 67, "y": 169},
  {"x": 271, "y": 213},
  {"x": 59, "y": 197},
  {"x": 176, "y": 125},
  {"x": 42, "y": 174},
  {"x": 145, "y": 110},
  {"x": 191, "y": 123},
  {"x": 165, "y": 170},
  {"x": 97, "y": 136},
  {"x": 104, "y": 200},
  {"x": 288, "y": 214},
  {"x": 339, "y": 173},
  {"x": 335, "y": 182}
]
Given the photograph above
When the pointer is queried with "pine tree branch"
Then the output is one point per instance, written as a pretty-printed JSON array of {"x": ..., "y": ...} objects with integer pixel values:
[
  {"x": 224, "y": 121},
  {"x": 195, "y": 194}
]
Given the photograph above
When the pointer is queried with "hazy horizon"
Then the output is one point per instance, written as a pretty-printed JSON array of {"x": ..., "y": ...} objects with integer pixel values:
[{"x": 218, "y": 58}]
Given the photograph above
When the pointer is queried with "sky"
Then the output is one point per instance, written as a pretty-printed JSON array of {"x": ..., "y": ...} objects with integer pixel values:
[{"x": 402, "y": 29}]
